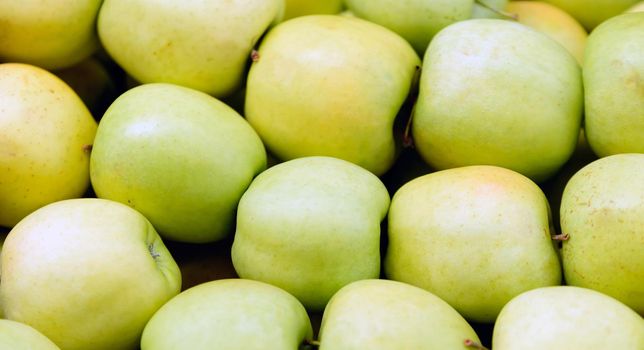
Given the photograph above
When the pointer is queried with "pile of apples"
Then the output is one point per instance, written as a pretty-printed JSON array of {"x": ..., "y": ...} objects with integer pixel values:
[{"x": 302, "y": 174}]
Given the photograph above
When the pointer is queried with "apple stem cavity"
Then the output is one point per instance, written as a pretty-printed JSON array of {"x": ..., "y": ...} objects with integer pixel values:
[
  {"x": 474, "y": 345},
  {"x": 87, "y": 148},
  {"x": 254, "y": 55},
  {"x": 501, "y": 13},
  {"x": 561, "y": 237}
]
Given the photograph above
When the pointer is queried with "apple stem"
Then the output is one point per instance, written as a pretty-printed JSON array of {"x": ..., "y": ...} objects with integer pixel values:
[
  {"x": 501, "y": 13},
  {"x": 87, "y": 148},
  {"x": 474, "y": 345},
  {"x": 254, "y": 55},
  {"x": 310, "y": 343},
  {"x": 561, "y": 237},
  {"x": 408, "y": 141}
]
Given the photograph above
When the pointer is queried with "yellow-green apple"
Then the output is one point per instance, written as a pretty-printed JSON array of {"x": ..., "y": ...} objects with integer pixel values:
[
  {"x": 93, "y": 84},
  {"x": 602, "y": 212},
  {"x": 204, "y": 45},
  {"x": 489, "y": 9},
  {"x": 297, "y": 8},
  {"x": 474, "y": 236},
  {"x": 415, "y": 20},
  {"x": 329, "y": 85},
  {"x": 614, "y": 86},
  {"x": 639, "y": 7},
  {"x": 177, "y": 155},
  {"x": 310, "y": 226},
  {"x": 87, "y": 273},
  {"x": 590, "y": 13},
  {"x": 554, "y": 22},
  {"x": 45, "y": 132},
  {"x": 229, "y": 314},
  {"x": 497, "y": 92},
  {"x": 51, "y": 35},
  {"x": 565, "y": 317},
  {"x": 19, "y": 336},
  {"x": 383, "y": 314}
]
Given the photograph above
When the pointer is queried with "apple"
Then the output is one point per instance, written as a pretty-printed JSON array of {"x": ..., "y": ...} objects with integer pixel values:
[
  {"x": 565, "y": 317},
  {"x": 297, "y": 8},
  {"x": 204, "y": 45},
  {"x": 415, "y": 20},
  {"x": 229, "y": 314},
  {"x": 474, "y": 236},
  {"x": 87, "y": 273},
  {"x": 51, "y": 35},
  {"x": 310, "y": 226},
  {"x": 554, "y": 22},
  {"x": 93, "y": 84},
  {"x": 45, "y": 131},
  {"x": 328, "y": 85},
  {"x": 613, "y": 72},
  {"x": 382, "y": 314},
  {"x": 19, "y": 336},
  {"x": 489, "y": 9},
  {"x": 602, "y": 211},
  {"x": 638, "y": 7},
  {"x": 590, "y": 13},
  {"x": 177, "y": 155},
  {"x": 496, "y": 92}
]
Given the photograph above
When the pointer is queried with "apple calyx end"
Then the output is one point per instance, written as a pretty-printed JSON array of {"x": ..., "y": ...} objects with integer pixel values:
[
  {"x": 474, "y": 345},
  {"x": 254, "y": 55}
]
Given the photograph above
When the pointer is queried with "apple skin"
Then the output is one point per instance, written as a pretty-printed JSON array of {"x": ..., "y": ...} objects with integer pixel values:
[
  {"x": 639, "y": 7},
  {"x": 19, "y": 336},
  {"x": 602, "y": 211},
  {"x": 474, "y": 236},
  {"x": 613, "y": 72},
  {"x": 479, "y": 11},
  {"x": 297, "y": 8},
  {"x": 554, "y": 22},
  {"x": 44, "y": 132},
  {"x": 180, "y": 157},
  {"x": 49, "y": 35},
  {"x": 565, "y": 317},
  {"x": 468, "y": 112},
  {"x": 310, "y": 226},
  {"x": 231, "y": 313},
  {"x": 590, "y": 13},
  {"x": 328, "y": 85},
  {"x": 87, "y": 273},
  {"x": 415, "y": 20},
  {"x": 383, "y": 314},
  {"x": 204, "y": 45}
]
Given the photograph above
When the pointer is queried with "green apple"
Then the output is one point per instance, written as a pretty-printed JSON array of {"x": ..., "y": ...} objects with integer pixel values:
[
  {"x": 590, "y": 13},
  {"x": 489, "y": 8},
  {"x": 614, "y": 92},
  {"x": 565, "y": 317},
  {"x": 87, "y": 273},
  {"x": 45, "y": 130},
  {"x": 177, "y": 155},
  {"x": 204, "y": 45},
  {"x": 415, "y": 20},
  {"x": 496, "y": 92},
  {"x": 19, "y": 336},
  {"x": 382, "y": 314},
  {"x": 297, "y": 8},
  {"x": 554, "y": 22},
  {"x": 51, "y": 35},
  {"x": 310, "y": 226},
  {"x": 93, "y": 84},
  {"x": 602, "y": 211},
  {"x": 639, "y": 7},
  {"x": 474, "y": 236},
  {"x": 229, "y": 314},
  {"x": 329, "y": 85}
]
